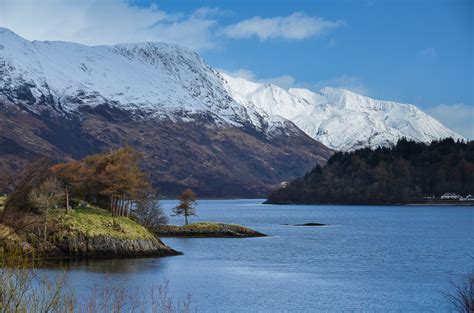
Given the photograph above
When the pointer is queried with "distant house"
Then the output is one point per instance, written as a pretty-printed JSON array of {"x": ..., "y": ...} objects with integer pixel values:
[
  {"x": 283, "y": 184},
  {"x": 467, "y": 198},
  {"x": 450, "y": 196}
]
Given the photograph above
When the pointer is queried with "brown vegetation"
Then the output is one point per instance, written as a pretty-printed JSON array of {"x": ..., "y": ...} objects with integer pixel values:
[
  {"x": 213, "y": 161},
  {"x": 111, "y": 179}
]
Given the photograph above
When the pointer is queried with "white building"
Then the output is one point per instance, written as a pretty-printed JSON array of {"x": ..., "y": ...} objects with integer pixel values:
[{"x": 450, "y": 196}]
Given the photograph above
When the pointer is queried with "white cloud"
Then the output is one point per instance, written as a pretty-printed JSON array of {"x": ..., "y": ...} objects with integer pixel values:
[
  {"x": 95, "y": 22},
  {"x": 297, "y": 26},
  {"x": 241, "y": 73},
  {"x": 283, "y": 81},
  {"x": 459, "y": 117},
  {"x": 206, "y": 12},
  {"x": 428, "y": 52},
  {"x": 352, "y": 83}
]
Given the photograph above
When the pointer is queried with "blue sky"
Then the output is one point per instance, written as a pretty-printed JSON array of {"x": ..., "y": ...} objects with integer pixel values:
[{"x": 419, "y": 52}]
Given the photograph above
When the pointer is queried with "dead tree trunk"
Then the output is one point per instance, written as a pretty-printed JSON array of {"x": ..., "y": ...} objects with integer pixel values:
[
  {"x": 111, "y": 200},
  {"x": 122, "y": 203},
  {"x": 122, "y": 208},
  {"x": 116, "y": 205},
  {"x": 66, "y": 194},
  {"x": 45, "y": 238},
  {"x": 129, "y": 208}
]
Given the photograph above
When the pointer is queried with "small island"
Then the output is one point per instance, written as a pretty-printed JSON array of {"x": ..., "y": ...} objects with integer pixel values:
[
  {"x": 187, "y": 208},
  {"x": 307, "y": 225},
  {"x": 208, "y": 230}
]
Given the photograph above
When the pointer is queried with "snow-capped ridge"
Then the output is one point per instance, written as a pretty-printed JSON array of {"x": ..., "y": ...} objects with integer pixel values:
[
  {"x": 158, "y": 79},
  {"x": 342, "y": 119}
]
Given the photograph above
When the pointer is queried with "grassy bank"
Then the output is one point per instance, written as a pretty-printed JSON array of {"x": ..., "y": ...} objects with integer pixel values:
[
  {"x": 93, "y": 222},
  {"x": 85, "y": 232},
  {"x": 207, "y": 229}
]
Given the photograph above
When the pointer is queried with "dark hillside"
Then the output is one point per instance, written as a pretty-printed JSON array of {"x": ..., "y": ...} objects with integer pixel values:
[{"x": 407, "y": 173}]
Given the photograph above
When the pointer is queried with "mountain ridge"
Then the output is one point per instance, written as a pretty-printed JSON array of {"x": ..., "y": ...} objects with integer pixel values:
[{"x": 339, "y": 118}]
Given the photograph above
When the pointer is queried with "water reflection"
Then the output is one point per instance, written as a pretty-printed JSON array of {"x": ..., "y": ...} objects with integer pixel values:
[{"x": 109, "y": 266}]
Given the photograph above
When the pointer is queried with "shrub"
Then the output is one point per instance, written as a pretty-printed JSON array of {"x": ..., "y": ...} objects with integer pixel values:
[{"x": 149, "y": 213}]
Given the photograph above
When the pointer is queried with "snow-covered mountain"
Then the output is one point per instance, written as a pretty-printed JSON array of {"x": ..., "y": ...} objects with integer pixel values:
[
  {"x": 150, "y": 79},
  {"x": 157, "y": 80},
  {"x": 340, "y": 119},
  {"x": 66, "y": 100}
]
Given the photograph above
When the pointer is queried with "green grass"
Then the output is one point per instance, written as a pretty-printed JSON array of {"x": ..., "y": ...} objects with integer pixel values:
[
  {"x": 212, "y": 226},
  {"x": 93, "y": 221}
]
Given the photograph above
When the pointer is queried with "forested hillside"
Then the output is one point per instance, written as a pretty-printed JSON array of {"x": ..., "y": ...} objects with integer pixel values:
[{"x": 406, "y": 173}]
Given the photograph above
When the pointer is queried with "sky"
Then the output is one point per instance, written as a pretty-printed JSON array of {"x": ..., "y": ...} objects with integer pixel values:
[{"x": 410, "y": 51}]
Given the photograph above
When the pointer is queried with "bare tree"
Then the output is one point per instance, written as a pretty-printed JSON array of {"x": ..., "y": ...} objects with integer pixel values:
[
  {"x": 46, "y": 196},
  {"x": 186, "y": 205},
  {"x": 33, "y": 175},
  {"x": 462, "y": 296},
  {"x": 149, "y": 213}
]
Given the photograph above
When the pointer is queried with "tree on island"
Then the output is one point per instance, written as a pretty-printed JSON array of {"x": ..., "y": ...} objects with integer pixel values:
[{"x": 186, "y": 205}]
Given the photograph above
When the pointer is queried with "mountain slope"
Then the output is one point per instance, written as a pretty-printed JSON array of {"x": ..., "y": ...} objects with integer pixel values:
[
  {"x": 66, "y": 100},
  {"x": 340, "y": 119}
]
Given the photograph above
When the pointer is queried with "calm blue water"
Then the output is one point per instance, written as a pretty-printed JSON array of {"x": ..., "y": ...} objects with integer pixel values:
[{"x": 372, "y": 258}]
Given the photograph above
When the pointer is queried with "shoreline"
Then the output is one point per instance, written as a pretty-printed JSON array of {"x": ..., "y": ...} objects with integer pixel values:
[{"x": 471, "y": 203}]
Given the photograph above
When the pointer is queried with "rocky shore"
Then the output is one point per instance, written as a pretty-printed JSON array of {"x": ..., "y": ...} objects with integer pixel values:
[
  {"x": 100, "y": 247},
  {"x": 89, "y": 233}
]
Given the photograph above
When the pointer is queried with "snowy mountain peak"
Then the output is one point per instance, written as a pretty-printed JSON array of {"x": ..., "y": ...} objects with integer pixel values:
[
  {"x": 153, "y": 79},
  {"x": 339, "y": 118}
]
